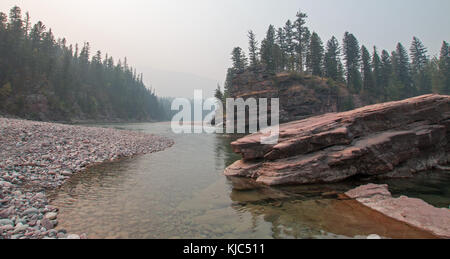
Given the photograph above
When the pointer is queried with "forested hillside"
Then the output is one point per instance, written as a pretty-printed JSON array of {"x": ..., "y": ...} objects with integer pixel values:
[
  {"x": 375, "y": 76},
  {"x": 44, "y": 78}
]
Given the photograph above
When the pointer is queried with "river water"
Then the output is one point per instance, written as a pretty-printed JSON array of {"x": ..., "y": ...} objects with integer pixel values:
[{"x": 182, "y": 193}]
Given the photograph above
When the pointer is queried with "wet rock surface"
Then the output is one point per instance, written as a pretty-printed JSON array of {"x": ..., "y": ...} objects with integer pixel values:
[
  {"x": 37, "y": 156},
  {"x": 395, "y": 139},
  {"x": 414, "y": 212}
]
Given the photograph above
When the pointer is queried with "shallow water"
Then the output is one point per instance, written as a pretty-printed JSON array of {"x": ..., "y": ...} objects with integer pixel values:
[{"x": 182, "y": 193}]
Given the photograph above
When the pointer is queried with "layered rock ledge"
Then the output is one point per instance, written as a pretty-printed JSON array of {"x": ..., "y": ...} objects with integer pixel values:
[
  {"x": 36, "y": 156},
  {"x": 414, "y": 212},
  {"x": 395, "y": 139}
]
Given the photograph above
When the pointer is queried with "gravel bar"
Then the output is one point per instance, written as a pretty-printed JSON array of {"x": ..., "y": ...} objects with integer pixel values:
[{"x": 38, "y": 156}]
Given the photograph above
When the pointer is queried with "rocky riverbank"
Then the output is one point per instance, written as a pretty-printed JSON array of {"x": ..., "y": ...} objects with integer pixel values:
[
  {"x": 395, "y": 139},
  {"x": 37, "y": 156}
]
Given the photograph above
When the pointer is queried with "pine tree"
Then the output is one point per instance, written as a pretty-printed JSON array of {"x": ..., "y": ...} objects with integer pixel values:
[
  {"x": 300, "y": 38},
  {"x": 239, "y": 60},
  {"x": 268, "y": 50},
  {"x": 307, "y": 41},
  {"x": 377, "y": 68},
  {"x": 402, "y": 72},
  {"x": 3, "y": 19},
  {"x": 15, "y": 21},
  {"x": 419, "y": 61},
  {"x": 366, "y": 71},
  {"x": 218, "y": 93},
  {"x": 281, "y": 42},
  {"x": 332, "y": 60},
  {"x": 352, "y": 56},
  {"x": 228, "y": 82},
  {"x": 386, "y": 71},
  {"x": 290, "y": 45},
  {"x": 444, "y": 68},
  {"x": 253, "y": 49},
  {"x": 419, "y": 57},
  {"x": 315, "y": 55}
]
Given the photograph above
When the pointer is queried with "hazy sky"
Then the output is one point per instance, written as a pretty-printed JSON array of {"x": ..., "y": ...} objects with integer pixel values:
[{"x": 184, "y": 44}]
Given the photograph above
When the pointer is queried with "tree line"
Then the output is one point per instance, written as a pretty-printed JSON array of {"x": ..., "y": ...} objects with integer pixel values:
[
  {"x": 378, "y": 76},
  {"x": 74, "y": 82}
]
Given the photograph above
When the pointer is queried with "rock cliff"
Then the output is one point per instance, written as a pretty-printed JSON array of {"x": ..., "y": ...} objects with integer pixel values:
[
  {"x": 300, "y": 95},
  {"x": 393, "y": 139}
]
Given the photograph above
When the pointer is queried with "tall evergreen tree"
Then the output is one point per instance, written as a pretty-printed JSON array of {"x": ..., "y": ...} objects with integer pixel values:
[
  {"x": 228, "y": 82},
  {"x": 290, "y": 45},
  {"x": 218, "y": 93},
  {"x": 352, "y": 57},
  {"x": 444, "y": 68},
  {"x": 377, "y": 68},
  {"x": 253, "y": 49},
  {"x": 419, "y": 61},
  {"x": 315, "y": 55},
  {"x": 332, "y": 60},
  {"x": 300, "y": 38},
  {"x": 401, "y": 67},
  {"x": 386, "y": 69},
  {"x": 239, "y": 59},
  {"x": 419, "y": 56},
  {"x": 268, "y": 50},
  {"x": 366, "y": 71},
  {"x": 281, "y": 42},
  {"x": 306, "y": 47}
]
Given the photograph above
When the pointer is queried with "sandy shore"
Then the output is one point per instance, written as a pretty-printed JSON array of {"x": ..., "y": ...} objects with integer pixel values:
[{"x": 35, "y": 156}]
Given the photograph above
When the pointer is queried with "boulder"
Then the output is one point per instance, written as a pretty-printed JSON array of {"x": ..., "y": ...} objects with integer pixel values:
[
  {"x": 414, "y": 212},
  {"x": 394, "y": 139}
]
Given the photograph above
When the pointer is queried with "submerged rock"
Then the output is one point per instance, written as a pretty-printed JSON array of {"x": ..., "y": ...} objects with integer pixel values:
[
  {"x": 393, "y": 139},
  {"x": 414, "y": 212}
]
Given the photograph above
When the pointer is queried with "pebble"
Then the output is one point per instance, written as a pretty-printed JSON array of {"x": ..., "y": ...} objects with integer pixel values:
[{"x": 51, "y": 215}]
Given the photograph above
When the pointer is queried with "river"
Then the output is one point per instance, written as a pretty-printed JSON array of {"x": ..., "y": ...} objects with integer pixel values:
[{"x": 182, "y": 193}]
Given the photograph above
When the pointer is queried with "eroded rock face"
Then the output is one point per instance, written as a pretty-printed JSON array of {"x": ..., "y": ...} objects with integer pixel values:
[
  {"x": 393, "y": 139},
  {"x": 300, "y": 96},
  {"x": 414, "y": 212}
]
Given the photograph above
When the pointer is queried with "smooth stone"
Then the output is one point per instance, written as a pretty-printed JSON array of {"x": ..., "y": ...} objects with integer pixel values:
[{"x": 51, "y": 215}]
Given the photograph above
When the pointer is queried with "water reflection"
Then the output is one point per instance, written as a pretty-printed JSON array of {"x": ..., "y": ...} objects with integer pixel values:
[
  {"x": 182, "y": 193},
  {"x": 314, "y": 211}
]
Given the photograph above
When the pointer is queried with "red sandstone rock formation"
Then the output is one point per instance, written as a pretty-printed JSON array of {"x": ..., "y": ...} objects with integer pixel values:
[{"x": 393, "y": 139}]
